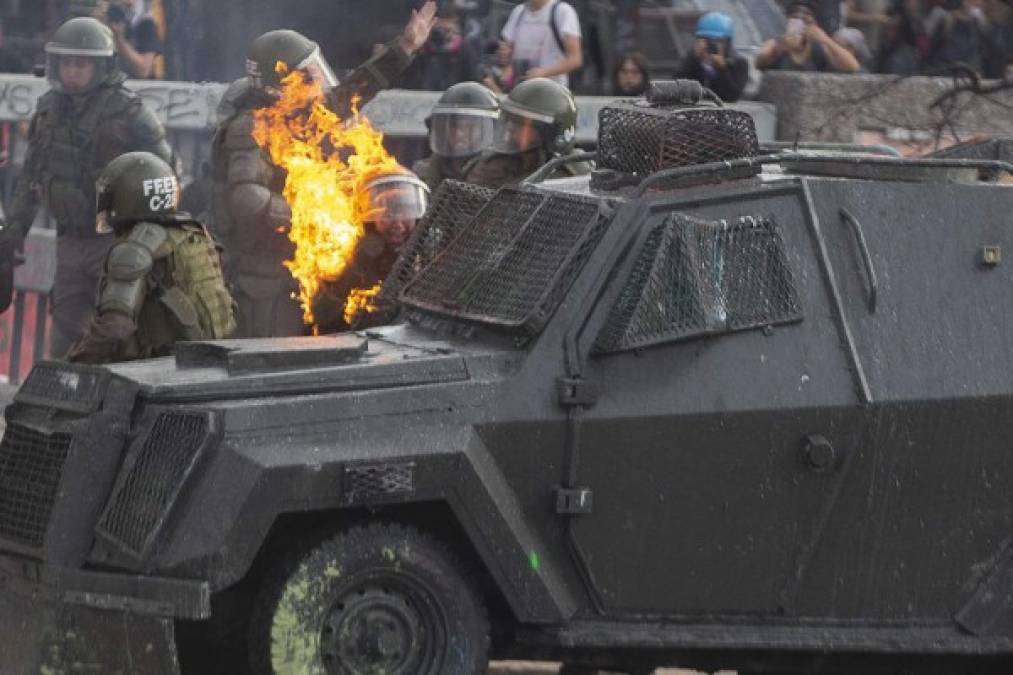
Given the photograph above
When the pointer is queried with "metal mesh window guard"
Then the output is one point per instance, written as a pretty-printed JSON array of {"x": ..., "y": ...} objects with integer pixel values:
[
  {"x": 635, "y": 139},
  {"x": 512, "y": 264},
  {"x": 453, "y": 206},
  {"x": 695, "y": 277}
]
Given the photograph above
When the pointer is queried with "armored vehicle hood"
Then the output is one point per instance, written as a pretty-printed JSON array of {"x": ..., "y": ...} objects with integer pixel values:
[{"x": 276, "y": 367}]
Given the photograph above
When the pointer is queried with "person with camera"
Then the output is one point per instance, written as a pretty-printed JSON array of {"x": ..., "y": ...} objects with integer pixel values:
[
  {"x": 805, "y": 46},
  {"x": 136, "y": 35},
  {"x": 542, "y": 39},
  {"x": 713, "y": 61},
  {"x": 447, "y": 58}
]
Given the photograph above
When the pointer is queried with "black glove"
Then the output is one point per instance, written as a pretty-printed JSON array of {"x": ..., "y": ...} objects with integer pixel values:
[{"x": 11, "y": 255}]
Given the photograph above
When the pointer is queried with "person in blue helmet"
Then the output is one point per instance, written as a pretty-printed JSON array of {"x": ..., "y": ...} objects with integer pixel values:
[{"x": 713, "y": 61}]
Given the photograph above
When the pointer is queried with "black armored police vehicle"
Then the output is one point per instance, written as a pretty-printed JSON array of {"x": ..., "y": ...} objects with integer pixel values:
[{"x": 706, "y": 407}]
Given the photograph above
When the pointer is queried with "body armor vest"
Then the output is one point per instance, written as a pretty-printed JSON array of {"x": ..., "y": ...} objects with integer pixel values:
[
  {"x": 259, "y": 244},
  {"x": 195, "y": 274},
  {"x": 76, "y": 139}
]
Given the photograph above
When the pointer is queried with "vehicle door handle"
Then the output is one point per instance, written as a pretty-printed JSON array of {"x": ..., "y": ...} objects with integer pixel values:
[{"x": 870, "y": 270}]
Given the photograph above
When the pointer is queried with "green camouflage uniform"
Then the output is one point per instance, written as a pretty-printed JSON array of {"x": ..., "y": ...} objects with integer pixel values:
[
  {"x": 163, "y": 283},
  {"x": 436, "y": 169}
]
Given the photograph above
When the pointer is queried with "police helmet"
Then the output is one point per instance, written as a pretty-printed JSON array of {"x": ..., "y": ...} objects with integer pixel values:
[
  {"x": 295, "y": 52},
  {"x": 538, "y": 112},
  {"x": 463, "y": 121},
  {"x": 134, "y": 187},
  {"x": 81, "y": 56},
  {"x": 392, "y": 200}
]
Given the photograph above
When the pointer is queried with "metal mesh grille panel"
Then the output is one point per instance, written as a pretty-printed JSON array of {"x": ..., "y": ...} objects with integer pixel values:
[
  {"x": 453, "y": 206},
  {"x": 512, "y": 264},
  {"x": 640, "y": 140},
  {"x": 142, "y": 497},
  {"x": 377, "y": 480},
  {"x": 694, "y": 277},
  {"x": 31, "y": 464}
]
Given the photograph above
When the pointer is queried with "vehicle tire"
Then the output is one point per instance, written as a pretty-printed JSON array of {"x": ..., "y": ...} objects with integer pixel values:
[{"x": 374, "y": 599}]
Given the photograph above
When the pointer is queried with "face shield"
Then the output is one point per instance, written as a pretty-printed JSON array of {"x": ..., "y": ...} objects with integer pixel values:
[
  {"x": 72, "y": 71},
  {"x": 390, "y": 197},
  {"x": 395, "y": 204},
  {"x": 461, "y": 133},
  {"x": 520, "y": 132},
  {"x": 316, "y": 67}
]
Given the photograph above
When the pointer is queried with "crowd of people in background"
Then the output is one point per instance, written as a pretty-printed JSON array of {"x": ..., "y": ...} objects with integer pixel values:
[
  {"x": 898, "y": 37},
  {"x": 562, "y": 39}
]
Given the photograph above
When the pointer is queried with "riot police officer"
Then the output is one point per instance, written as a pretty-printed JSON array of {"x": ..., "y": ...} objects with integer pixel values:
[
  {"x": 395, "y": 199},
  {"x": 460, "y": 127},
  {"x": 537, "y": 122},
  {"x": 163, "y": 278},
  {"x": 86, "y": 119},
  {"x": 250, "y": 213}
]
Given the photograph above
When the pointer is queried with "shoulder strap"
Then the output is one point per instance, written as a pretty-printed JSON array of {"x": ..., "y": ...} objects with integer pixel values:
[{"x": 554, "y": 24}]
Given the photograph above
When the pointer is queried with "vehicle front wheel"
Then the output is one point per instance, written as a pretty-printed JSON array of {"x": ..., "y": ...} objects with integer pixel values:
[{"x": 375, "y": 599}]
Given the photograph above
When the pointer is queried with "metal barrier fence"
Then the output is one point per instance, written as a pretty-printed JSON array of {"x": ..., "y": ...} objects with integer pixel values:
[{"x": 188, "y": 112}]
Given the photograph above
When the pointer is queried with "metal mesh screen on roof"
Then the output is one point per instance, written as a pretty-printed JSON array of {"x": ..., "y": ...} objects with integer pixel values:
[
  {"x": 147, "y": 489},
  {"x": 636, "y": 139},
  {"x": 695, "y": 277},
  {"x": 453, "y": 206},
  {"x": 511, "y": 266}
]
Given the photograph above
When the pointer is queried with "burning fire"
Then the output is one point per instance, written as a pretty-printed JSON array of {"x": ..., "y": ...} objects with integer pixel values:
[
  {"x": 327, "y": 160},
  {"x": 360, "y": 300}
]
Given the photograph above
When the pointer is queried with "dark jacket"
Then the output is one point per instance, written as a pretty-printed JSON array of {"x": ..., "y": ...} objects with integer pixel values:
[
  {"x": 435, "y": 169},
  {"x": 727, "y": 83},
  {"x": 441, "y": 68},
  {"x": 495, "y": 170},
  {"x": 372, "y": 262}
]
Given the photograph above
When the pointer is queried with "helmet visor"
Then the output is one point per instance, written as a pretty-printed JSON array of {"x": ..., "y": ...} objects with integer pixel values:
[
  {"x": 77, "y": 73},
  {"x": 515, "y": 133},
  {"x": 397, "y": 198},
  {"x": 318, "y": 70},
  {"x": 461, "y": 134}
]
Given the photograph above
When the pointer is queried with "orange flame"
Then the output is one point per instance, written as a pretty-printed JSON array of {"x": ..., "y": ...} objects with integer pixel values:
[
  {"x": 328, "y": 160},
  {"x": 359, "y": 301}
]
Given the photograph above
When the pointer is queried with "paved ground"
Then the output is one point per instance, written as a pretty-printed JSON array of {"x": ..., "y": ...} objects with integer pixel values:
[{"x": 532, "y": 668}]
